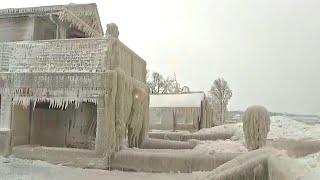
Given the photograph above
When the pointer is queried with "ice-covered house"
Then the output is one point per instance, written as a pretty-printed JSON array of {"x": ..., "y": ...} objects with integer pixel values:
[
  {"x": 68, "y": 93},
  {"x": 186, "y": 111}
]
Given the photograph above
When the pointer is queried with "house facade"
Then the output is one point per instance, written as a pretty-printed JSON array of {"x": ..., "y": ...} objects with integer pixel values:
[
  {"x": 65, "y": 88},
  {"x": 186, "y": 111}
]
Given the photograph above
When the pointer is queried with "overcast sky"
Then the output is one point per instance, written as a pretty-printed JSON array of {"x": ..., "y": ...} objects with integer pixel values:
[{"x": 268, "y": 50}]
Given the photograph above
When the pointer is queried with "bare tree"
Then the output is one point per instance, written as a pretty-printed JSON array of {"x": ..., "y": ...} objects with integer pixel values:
[
  {"x": 156, "y": 83},
  {"x": 220, "y": 94},
  {"x": 160, "y": 85}
]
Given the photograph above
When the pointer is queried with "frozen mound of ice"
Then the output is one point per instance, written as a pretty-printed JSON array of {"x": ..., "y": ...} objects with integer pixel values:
[{"x": 256, "y": 125}]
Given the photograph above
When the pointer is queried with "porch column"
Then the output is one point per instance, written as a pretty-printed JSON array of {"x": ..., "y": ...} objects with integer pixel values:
[
  {"x": 101, "y": 132},
  {"x": 5, "y": 114},
  {"x": 5, "y": 130}
]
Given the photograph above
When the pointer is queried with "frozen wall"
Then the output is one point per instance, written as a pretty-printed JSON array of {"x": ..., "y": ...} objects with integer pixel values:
[
  {"x": 44, "y": 29},
  {"x": 208, "y": 115},
  {"x": 161, "y": 118},
  {"x": 63, "y": 128},
  {"x": 174, "y": 118},
  {"x": 16, "y": 29},
  {"x": 48, "y": 127},
  {"x": 124, "y": 58},
  {"x": 20, "y": 125}
]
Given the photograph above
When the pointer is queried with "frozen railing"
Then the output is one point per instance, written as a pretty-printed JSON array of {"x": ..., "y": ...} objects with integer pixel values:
[
  {"x": 66, "y": 55},
  {"x": 71, "y": 55}
]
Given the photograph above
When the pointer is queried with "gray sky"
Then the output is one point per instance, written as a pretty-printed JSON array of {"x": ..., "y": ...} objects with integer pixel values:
[{"x": 268, "y": 50}]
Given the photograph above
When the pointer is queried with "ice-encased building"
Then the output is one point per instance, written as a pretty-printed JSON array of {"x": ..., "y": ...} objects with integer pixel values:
[
  {"x": 186, "y": 111},
  {"x": 68, "y": 94}
]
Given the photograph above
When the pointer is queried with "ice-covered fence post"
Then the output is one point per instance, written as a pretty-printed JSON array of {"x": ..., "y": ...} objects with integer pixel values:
[{"x": 256, "y": 125}]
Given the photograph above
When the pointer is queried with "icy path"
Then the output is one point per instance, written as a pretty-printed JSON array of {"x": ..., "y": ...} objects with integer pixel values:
[{"x": 18, "y": 169}]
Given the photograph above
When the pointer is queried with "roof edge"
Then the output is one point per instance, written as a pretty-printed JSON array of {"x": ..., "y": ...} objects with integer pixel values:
[
  {"x": 193, "y": 92},
  {"x": 48, "y": 6}
]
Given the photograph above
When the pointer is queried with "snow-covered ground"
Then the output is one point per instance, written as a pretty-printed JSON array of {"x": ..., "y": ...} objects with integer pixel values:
[
  {"x": 312, "y": 162},
  {"x": 286, "y": 128},
  {"x": 18, "y": 169},
  {"x": 281, "y": 128}
]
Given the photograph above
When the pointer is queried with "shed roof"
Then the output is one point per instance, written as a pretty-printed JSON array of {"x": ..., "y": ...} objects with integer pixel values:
[
  {"x": 83, "y": 16},
  {"x": 177, "y": 100}
]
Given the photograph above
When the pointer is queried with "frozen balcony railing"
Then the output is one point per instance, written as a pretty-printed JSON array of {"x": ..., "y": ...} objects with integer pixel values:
[
  {"x": 71, "y": 55},
  {"x": 66, "y": 55}
]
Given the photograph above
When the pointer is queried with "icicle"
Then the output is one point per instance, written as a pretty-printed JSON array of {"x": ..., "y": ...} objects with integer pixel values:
[
  {"x": 66, "y": 104},
  {"x": 50, "y": 103},
  {"x": 34, "y": 104}
]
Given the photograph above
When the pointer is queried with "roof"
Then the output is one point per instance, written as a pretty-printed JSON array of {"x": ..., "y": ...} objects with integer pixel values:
[
  {"x": 177, "y": 100},
  {"x": 83, "y": 16}
]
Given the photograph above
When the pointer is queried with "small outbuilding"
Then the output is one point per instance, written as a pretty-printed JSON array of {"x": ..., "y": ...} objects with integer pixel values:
[{"x": 186, "y": 111}]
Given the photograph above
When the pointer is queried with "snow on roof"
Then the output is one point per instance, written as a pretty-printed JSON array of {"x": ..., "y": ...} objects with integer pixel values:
[{"x": 177, "y": 100}]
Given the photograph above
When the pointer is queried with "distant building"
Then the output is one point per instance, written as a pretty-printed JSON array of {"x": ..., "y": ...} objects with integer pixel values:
[{"x": 186, "y": 111}]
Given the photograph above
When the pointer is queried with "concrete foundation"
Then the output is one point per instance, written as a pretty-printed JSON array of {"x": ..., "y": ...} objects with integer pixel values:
[{"x": 67, "y": 156}]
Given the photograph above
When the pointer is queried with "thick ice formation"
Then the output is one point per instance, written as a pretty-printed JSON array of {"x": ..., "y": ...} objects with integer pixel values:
[
  {"x": 286, "y": 128},
  {"x": 137, "y": 118},
  {"x": 311, "y": 161},
  {"x": 220, "y": 146},
  {"x": 256, "y": 125},
  {"x": 251, "y": 165},
  {"x": 130, "y": 111}
]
